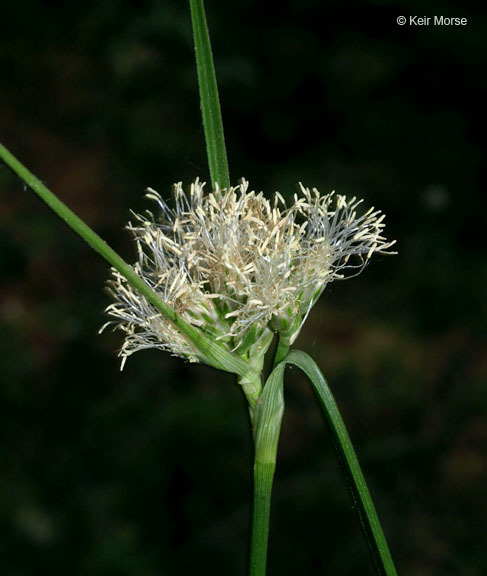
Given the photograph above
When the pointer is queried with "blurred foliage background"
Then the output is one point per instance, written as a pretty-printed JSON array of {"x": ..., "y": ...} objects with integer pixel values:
[{"x": 148, "y": 471}]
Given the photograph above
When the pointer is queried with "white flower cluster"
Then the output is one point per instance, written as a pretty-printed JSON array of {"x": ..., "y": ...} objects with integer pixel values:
[{"x": 238, "y": 265}]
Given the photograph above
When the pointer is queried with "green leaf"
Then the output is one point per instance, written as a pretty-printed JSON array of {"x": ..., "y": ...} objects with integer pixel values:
[
  {"x": 210, "y": 103},
  {"x": 360, "y": 493}
]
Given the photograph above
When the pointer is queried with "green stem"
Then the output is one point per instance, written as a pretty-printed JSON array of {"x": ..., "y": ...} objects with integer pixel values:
[
  {"x": 369, "y": 520},
  {"x": 210, "y": 352},
  {"x": 282, "y": 349},
  {"x": 286, "y": 335},
  {"x": 210, "y": 103},
  {"x": 267, "y": 427},
  {"x": 263, "y": 478}
]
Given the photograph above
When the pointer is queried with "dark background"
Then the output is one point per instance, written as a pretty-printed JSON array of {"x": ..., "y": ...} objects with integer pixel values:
[{"x": 147, "y": 472}]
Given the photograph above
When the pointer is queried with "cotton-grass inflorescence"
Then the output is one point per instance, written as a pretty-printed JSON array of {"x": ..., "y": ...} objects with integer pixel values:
[{"x": 239, "y": 266}]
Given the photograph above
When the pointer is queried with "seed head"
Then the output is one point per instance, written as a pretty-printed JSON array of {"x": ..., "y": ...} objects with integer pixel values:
[{"x": 238, "y": 265}]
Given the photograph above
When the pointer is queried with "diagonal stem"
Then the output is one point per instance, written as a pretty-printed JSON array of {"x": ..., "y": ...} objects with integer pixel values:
[{"x": 210, "y": 351}]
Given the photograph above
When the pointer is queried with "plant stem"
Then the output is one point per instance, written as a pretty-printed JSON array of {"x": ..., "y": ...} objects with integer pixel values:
[
  {"x": 263, "y": 477},
  {"x": 285, "y": 338},
  {"x": 282, "y": 349},
  {"x": 267, "y": 427},
  {"x": 210, "y": 352},
  {"x": 210, "y": 103}
]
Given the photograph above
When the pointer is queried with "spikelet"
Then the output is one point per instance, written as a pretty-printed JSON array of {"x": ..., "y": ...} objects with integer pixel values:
[{"x": 238, "y": 265}]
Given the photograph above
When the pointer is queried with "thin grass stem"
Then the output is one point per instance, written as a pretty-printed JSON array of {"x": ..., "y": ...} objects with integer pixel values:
[{"x": 210, "y": 351}]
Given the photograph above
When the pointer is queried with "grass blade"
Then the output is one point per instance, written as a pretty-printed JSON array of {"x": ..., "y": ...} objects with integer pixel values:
[
  {"x": 210, "y": 103},
  {"x": 360, "y": 493}
]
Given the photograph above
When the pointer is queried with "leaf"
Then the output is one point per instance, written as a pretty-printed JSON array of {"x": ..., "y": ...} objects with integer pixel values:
[
  {"x": 355, "y": 479},
  {"x": 210, "y": 103}
]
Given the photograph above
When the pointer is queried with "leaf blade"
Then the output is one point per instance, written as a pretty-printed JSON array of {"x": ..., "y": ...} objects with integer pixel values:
[
  {"x": 369, "y": 519},
  {"x": 210, "y": 102}
]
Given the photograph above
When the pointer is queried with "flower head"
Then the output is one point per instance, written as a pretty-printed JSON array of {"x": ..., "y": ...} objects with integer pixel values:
[{"x": 238, "y": 265}]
